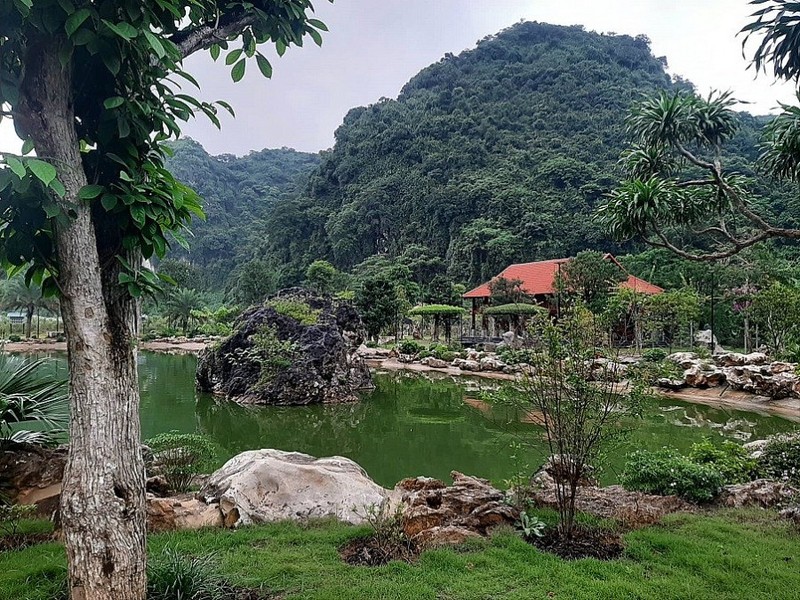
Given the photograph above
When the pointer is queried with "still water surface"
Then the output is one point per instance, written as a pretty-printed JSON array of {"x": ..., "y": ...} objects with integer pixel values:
[{"x": 410, "y": 425}]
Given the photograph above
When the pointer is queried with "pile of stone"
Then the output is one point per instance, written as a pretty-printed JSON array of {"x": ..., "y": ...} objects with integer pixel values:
[
  {"x": 471, "y": 360},
  {"x": 746, "y": 372}
]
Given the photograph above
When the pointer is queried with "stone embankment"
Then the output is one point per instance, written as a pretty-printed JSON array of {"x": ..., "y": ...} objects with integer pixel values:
[{"x": 751, "y": 373}]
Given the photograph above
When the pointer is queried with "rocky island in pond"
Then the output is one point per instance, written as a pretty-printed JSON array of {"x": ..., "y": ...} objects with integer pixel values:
[{"x": 298, "y": 348}]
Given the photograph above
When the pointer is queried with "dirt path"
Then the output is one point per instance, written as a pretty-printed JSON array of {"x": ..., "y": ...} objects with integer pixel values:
[{"x": 186, "y": 347}]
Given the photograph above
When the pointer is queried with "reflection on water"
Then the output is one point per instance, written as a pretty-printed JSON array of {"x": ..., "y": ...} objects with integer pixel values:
[{"x": 410, "y": 424}]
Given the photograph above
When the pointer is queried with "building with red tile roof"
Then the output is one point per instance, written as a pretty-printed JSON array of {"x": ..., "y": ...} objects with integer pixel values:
[{"x": 539, "y": 279}]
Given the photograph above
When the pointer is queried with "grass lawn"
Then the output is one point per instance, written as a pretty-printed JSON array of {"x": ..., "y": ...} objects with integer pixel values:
[{"x": 741, "y": 554}]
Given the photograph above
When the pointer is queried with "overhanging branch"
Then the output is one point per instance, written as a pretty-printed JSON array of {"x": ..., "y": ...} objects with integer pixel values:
[{"x": 204, "y": 36}]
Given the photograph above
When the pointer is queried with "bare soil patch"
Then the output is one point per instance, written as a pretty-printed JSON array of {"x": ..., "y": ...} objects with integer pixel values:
[
  {"x": 373, "y": 551},
  {"x": 18, "y": 541},
  {"x": 585, "y": 542}
]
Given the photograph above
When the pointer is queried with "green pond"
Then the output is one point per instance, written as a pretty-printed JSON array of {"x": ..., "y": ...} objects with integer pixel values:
[{"x": 411, "y": 424}]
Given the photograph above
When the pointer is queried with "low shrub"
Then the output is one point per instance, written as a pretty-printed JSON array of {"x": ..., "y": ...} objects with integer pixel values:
[
  {"x": 180, "y": 457},
  {"x": 667, "y": 472},
  {"x": 272, "y": 353},
  {"x": 648, "y": 372},
  {"x": 510, "y": 356},
  {"x": 12, "y": 515},
  {"x": 702, "y": 351},
  {"x": 409, "y": 347},
  {"x": 172, "y": 575},
  {"x": 442, "y": 352},
  {"x": 731, "y": 459},
  {"x": 297, "y": 310},
  {"x": 14, "y": 338},
  {"x": 780, "y": 458},
  {"x": 654, "y": 355}
]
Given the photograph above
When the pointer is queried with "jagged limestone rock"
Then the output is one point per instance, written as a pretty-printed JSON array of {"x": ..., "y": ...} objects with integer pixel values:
[{"x": 297, "y": 348}]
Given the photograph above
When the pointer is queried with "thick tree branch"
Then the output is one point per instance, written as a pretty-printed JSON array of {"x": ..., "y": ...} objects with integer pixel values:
[
  {"x": 224, "y": 28},
  {"x": 710, "y": 256}
]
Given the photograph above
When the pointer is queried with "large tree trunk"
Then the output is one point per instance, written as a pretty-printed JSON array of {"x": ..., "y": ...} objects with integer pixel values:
[{"x": 102, "y": 503}]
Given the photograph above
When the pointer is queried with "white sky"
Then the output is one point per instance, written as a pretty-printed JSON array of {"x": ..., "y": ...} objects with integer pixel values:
[{"x": 375, "y": 46}]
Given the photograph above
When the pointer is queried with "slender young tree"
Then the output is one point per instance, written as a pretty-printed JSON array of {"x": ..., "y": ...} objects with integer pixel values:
[{"x": 94, "y": 87}]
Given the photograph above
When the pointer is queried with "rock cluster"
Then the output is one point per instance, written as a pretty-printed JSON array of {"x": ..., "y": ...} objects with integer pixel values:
[
  {"x": 275, "y": 356},
  {"x": 761, "y": 493},
  {"x": 436, "y": 514},
  {"x": 746, "y": 372},
  {"x": 470, "y": 360}
]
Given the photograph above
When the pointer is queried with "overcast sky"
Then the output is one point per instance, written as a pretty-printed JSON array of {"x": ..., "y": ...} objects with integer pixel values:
[{"x": 375, "y": 46}]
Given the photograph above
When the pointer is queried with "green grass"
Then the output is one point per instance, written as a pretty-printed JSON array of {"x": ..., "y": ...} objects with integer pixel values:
[{"x": 738, "y": 554}]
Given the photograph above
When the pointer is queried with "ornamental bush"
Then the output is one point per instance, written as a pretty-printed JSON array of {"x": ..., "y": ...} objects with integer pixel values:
[
  {"x": 409, "y": 347},
  {"x": 667, "y": 472},
  {"x": 731, "y": 459},
  {"x": 654, "y": 355},
  {"x": 780, "y": 458}
]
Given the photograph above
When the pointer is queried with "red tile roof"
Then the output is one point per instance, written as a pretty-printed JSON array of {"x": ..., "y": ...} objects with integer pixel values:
[{"x": 539, "y": 278}]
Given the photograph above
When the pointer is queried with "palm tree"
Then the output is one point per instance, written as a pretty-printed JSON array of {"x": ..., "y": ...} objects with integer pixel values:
[
  {"x": 31, "y": 393},
  {"x": 180, "y": 304},
  {"x": 18, "y": 296}
]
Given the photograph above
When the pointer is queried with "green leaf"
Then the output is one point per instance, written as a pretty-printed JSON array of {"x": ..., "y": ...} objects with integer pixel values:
[
  {"x": 27, "y": 146},
  {"x": 155, "y": 44},
  {"x": 315, "y": 36},
  {"x": 75, "y": 20},
  {"x": 44, "y": 172},
  {"x": 88, "y": 192},
  {"x": 114, "y": 102},
  {"x": 134, "y": 290},
  {"x": 227, "y": 107},
  {"x": 318, "y": 24},
  {"x": 138, "y": 214},
  {"x": 109, "y": 201},
  {"x": 16, "y": 166},
  {"x": 51, "y": 209},
  {"x": 123, "y": 30},
  {"x": 214, "y": 51},
  {"x": 233, "y": 56},
  {"x": 111, "y": 61},
  {"x": 58, "y": 188},
  {"x": 238, "y": 70},
  {"x": 263, "y": 65},
  {"x": 280, "y": 47}
]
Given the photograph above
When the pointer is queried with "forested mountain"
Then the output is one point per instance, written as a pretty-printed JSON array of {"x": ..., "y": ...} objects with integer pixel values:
[
  {"x": 497, "y": 155},
  {"x": 238, "y": 194}
]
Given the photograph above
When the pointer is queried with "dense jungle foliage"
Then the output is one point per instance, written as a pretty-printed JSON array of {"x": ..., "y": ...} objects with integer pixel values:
[
  {"x": 238, "y": 193},
  {"x": 496, "y": 155}
]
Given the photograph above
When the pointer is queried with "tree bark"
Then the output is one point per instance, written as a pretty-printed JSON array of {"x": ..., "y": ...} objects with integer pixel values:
[
  {"x": 29, "y": 320},
  {"x": 102, "y": 502}
]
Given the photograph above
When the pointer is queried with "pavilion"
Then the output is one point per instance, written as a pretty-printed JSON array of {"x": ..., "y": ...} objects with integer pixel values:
[{"x": 539, "y": 282}]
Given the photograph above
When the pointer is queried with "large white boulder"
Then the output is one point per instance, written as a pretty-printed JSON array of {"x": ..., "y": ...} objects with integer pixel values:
[{"x": 262, "y": 486}]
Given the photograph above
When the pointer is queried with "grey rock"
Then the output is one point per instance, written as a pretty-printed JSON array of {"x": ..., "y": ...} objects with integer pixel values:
[{"x": 263, "y": 486}]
